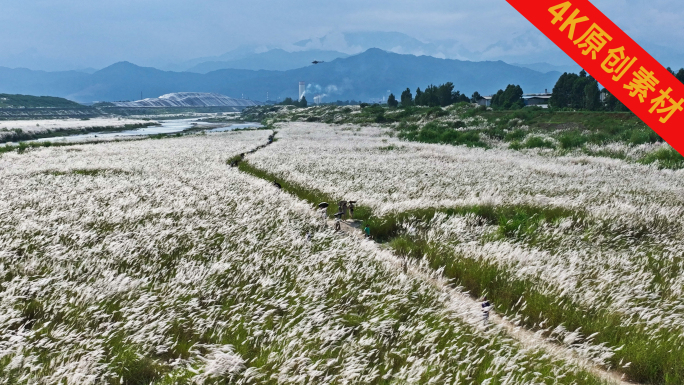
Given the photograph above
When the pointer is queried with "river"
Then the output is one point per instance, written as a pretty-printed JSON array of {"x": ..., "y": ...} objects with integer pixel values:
[{"x": 166, "y": 127}]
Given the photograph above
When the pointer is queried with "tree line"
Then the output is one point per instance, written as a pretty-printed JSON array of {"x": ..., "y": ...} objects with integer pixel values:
[
  {"x": 297, "y": 103},
  {"x": 444, "y": 95},
  {"x": 572, "y": 91},
  {"x": 581, "y": 92}
]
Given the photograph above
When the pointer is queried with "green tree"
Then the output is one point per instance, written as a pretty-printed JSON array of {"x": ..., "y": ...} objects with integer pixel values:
[
  {"x": 577, "y": 97},
  {"x": 445, "y": 94},
  {"x": 612, "y": 103},
  {"x": 562, "y": 92},
  {"x": 392, "y": 101},
  {"x": 592, "y": 96},
  {"x": 510, "y": 99},
  {"x": 458, "y": 97},
  {"x": 680, "y": 75},
  {"x": 303, "y": 103},
  {"x": 406, "y": 98},
  {"x": 419, "y": 97},
  {"x": 476, "y": 97},
  {"x": 580, "y": 92},
  {"x": 288, "y": 102},
  {"x": 497, "y": 99},
  {"x": 430, "y": 97}
]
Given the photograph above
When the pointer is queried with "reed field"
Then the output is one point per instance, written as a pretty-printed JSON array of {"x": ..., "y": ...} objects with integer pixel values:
[
  {"x": 561, "y": 242},
  {"x": 154, "y": 262}
]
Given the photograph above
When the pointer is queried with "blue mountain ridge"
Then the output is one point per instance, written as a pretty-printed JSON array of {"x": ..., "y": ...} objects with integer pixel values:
[{"x": 370, "y": 74}]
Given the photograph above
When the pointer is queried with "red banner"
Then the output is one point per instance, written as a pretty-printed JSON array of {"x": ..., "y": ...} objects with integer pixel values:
[{"x": 614, "y": 60}]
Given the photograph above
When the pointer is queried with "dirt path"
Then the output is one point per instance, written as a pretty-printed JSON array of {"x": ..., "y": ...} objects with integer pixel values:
[{"x": 469, "y": 310}]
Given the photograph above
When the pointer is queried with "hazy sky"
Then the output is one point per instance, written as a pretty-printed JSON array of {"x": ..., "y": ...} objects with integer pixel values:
[{"x": 61, "y": 34}]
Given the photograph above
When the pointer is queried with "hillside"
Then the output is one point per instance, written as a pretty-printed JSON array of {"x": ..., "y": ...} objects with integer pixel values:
[
  {"x": 27, "y": 101},
  {"x": 365, "y": 76}
]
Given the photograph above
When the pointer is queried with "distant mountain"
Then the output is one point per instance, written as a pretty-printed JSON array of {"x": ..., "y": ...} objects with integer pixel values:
[
  {"x": 126, "y": 81},
  {"x": 375, "y": 72},
  {"x": 274, "y": 60},
  {"x": 546, "y": 67},
  {"x": 356, "y": 42},
  {"x": 188, "y": 99},
  {"x": 28, "y": 101},
  {"x": 29, "y": 82},
  {"x": 361, "y": 77},
  {"x": 236, "y": 54}
]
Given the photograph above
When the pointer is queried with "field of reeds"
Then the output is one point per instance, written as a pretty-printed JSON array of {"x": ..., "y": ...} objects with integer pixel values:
[
  {"x": 154, "y": 262},
  {"x": 619, "y": 135},
  {"x": 560, "y": 242}
]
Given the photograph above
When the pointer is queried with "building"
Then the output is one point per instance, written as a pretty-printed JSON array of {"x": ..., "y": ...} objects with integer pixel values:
[
  {"x": 531, "y": 100},
  {"x": 302, "y": 90},
  {"x": 485, "y": 101},
  {"x": 537, "y": 100}
]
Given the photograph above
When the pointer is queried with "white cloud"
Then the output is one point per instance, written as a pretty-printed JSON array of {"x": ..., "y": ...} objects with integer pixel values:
[{"x": 99, "y": 33}]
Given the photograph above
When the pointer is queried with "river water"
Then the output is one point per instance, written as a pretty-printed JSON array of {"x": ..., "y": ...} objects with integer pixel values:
[{"x": 167, "y": 127}]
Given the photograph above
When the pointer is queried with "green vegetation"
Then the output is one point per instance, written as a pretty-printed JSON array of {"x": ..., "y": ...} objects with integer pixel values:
[
  {"x": 438, "y": 133},
  {"x": 27, "y": 101},
  {"x": 665, "y": 158},
  {"x": 91, "y": 172},
  {"x": 23, "y": 146},
  {"x": 164, "y": 136}
]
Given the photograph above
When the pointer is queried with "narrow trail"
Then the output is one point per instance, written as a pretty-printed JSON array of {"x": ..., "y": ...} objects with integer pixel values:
[{"x": 468, "y": 309}]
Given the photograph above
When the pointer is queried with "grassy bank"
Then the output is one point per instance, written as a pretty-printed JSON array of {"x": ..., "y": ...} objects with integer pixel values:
[
  {"x": 18, "y": 135},
  {"x": 25, "y": 146},
  {"x": 563, "y": 132}
]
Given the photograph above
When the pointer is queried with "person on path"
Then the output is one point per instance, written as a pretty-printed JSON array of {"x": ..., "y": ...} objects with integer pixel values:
[
  {"x": 324, "y": 215},
  {"x": 486, "y": 307},
  {"x": 338, "y": 225},
  {"x": 343, "y": 209},
  {"x": 366, "y": 230}
]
